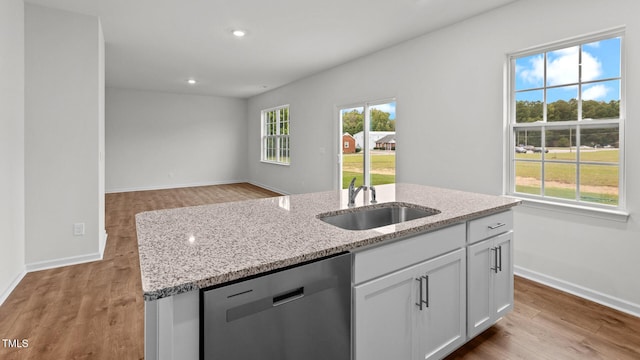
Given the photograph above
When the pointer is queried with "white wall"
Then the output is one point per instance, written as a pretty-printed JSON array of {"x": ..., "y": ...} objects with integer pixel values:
[
  {"x": 449, "y": 87},
  {"x": 163, "y": 140},
  {"x": 62, "y": 128},
  {"x": 11, "y": 145}
]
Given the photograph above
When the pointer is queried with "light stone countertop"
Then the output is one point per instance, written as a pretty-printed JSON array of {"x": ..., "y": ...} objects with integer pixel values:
[{"x": 191, "y": 248}]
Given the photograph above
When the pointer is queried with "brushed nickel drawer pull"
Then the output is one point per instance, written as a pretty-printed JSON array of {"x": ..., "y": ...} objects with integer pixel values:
[{"x": 498, "y": 225}]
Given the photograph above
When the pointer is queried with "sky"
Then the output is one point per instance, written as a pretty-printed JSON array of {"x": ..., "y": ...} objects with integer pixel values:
[{"x": 600, "y": 60}]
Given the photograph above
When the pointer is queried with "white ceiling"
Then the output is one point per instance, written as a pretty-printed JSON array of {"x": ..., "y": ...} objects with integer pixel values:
[{"x": 159, "y": 44}]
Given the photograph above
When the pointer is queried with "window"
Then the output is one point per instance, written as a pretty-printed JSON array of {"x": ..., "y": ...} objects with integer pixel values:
[
  {"x": 566, "y": 123},
  {"x": 275, "y": 135}
]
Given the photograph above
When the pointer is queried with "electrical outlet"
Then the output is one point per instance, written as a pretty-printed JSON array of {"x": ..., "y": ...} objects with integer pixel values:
[{"x": 78, "y": 229}]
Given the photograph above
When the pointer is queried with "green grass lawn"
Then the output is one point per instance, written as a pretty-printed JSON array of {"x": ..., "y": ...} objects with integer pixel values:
[
  {"x": 383, "y": 172},
  {"x": 376, "y": 179},
  {"x": 558, "y": 175},
  {"x": 382, "y": 169},
  {"x": 570, "y": 194},
  {"x": 378, "y": 161},
  {"x": 596, "y": 175}
]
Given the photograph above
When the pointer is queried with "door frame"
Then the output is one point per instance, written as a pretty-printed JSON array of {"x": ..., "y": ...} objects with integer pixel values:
[{"x": 366, "y": 105}]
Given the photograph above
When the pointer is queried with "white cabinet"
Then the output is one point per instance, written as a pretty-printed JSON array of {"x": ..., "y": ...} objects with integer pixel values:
[
  {"x": 489, "y": 281},
  {"x": 441, "y": 321},
  {"x": 383, "y": 316},
  {"x": 417, "y": 312}
]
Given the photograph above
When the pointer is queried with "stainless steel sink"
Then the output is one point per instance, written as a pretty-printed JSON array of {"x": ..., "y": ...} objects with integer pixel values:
[{"x": 370, "y": 217}]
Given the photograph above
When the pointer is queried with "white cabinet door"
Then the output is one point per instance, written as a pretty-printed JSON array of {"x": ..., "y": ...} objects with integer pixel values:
[
  {"x": 388, "y": 321},
  {"x": 503, "y": 279},
  {"x": 441, "y": 322},
  {"x": 489, "y": 282},
  {"x": 383, "y": 317},
  {"x": 479, "y": 284}
]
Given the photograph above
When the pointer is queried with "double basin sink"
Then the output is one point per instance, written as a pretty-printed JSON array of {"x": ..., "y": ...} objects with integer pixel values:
[{"x": 374, "y": 216}]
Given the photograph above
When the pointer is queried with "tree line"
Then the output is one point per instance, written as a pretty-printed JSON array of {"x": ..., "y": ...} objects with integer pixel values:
[
  {"x": 561, "y": 110},
  {"x": 353, "y": 121}
]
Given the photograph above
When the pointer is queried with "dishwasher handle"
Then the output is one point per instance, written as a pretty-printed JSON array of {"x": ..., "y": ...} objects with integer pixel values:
[
  {"x": 271, "y": 301},
  {"x": 288, "y": 296}
]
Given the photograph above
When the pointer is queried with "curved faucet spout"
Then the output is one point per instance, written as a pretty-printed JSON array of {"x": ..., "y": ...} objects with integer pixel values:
[{"x": 353, "y": 192}]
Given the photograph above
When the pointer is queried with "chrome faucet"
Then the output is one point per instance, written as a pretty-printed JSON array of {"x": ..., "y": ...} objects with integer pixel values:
[
  {"x": 373, "y": 195},
  {"x": 353, "y": 192}
]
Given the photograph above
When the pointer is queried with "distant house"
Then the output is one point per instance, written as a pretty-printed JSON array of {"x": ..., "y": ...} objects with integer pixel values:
[
  {"x": 387, "y": 143},
  {"x": 374, "y": 136},
  {"x": 348, "y": 144}
]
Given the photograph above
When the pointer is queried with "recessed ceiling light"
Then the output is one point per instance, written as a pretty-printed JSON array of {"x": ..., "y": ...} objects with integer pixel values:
[
  {"x": 191, "y": 82},
  {"x": 239, "y": 33}
]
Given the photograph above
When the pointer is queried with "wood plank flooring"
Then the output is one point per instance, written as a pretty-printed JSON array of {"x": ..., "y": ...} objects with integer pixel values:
[
  {"x": 550, "y": 324},
  {"x": 95, "y": 310}
]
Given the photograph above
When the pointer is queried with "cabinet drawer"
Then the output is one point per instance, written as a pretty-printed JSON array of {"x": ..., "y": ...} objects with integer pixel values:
[
  {"x": 489, "y": 226},
  {"x": 384, "y": 259}
]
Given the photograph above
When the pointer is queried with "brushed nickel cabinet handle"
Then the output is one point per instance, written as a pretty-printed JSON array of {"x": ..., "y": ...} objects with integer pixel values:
[
  {"x": 426, "y": 278},
  {"x": 419, "y": 303},
  {"x": 495, "y": 259},
  {"x": 421, "y": 289},
  {"x": 498, "y": 225}
]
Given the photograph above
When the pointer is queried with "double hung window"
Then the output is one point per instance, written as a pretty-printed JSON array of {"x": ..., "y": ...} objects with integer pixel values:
[
  {"x": 566, "y": 123},
  {"x": 275, "y": 135}
]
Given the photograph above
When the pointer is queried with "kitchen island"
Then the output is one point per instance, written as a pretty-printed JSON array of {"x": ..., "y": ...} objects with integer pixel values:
[{"x": 187, "y": 249}]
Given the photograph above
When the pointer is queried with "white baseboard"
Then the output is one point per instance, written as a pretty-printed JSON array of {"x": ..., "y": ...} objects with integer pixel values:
[
  {"x": 270, "y": 188},
  {"x": 5, "y": 294},
  {"x": 577, "y": 290},
  {"x": 171, "y": 186},
  {"x": 73, "y": 260},
  {"x": 50, "y": 264}
]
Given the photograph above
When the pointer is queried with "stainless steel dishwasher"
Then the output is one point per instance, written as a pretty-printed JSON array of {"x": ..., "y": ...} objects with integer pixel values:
[{"x": 302, "y": 312}]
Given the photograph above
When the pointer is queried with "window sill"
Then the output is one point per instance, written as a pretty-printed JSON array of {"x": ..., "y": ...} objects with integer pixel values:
[
  {"x": 274, "y": 163},
  {"x": 606, "y": 214}
]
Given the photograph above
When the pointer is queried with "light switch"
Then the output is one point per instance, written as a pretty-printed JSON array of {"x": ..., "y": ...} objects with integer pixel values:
[{"x": 78, "y": 229}]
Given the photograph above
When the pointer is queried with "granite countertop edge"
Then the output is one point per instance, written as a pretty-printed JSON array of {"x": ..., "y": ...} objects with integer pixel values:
[{"x": 152, "y": 291}]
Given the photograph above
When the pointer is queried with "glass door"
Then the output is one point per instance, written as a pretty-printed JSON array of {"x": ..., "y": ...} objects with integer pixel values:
[{"x": 368, "y": 144}]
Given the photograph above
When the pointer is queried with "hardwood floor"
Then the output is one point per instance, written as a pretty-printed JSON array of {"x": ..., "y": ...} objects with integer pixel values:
[
  {"x": 95, "y": 310},
  {"x": 550, "y": 324}
]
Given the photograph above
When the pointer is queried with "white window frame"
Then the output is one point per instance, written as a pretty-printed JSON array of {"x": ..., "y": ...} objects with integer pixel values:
[
  {"x": 607, "y": 211},
  {"x": 283, "y": 140}
]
